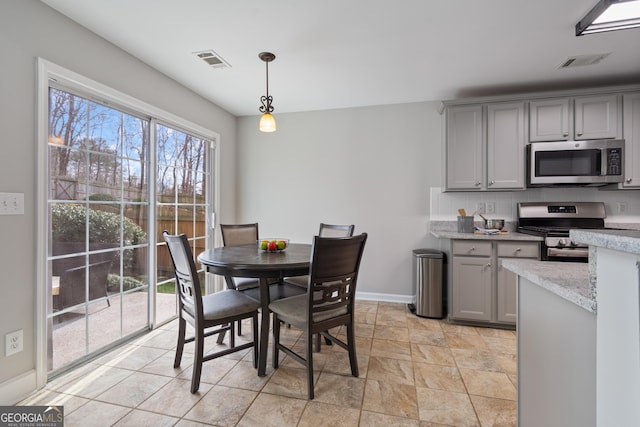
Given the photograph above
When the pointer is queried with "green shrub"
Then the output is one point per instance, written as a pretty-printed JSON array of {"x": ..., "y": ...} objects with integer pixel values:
[
  {"x": 102, "y": 197},
  {"x": 113, "y": 283},
  {"x": 68, "y": 225}
]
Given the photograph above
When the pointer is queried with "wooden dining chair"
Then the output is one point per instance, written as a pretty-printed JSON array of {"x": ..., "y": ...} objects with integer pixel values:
[
  {"x": 240, "y": 234},
  {"x": 208, "y": 315},
  {"x": 247, "y": 234},
  {"x": 328, "y": 303},
  {"x": 326, "y": 230}
]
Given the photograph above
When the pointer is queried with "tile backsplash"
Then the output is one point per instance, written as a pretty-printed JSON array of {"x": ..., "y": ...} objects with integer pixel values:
[{"x": 622, "y": 206}]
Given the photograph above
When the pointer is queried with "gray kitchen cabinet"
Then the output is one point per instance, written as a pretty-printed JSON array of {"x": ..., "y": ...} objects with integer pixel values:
[
  {"x": 465, "y": 168},
  {"x": 481, "y": 289},
  {"x": 506, "y": 281},
  {"x": 579, "y": 118},
  {"x": 506, "y": 296},
  {"x": 472, "y": 280},
  {"x": 596, "y": 117},
  {"x": 631, "y": 135},
  {"x": 506, "y": 141},
  {"x": 486, "y": 146},
  {"x": 549, "y": 119}
]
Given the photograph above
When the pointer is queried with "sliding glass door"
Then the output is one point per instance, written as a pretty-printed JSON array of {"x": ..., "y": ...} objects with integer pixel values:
[{"x": 116, "y": 179}]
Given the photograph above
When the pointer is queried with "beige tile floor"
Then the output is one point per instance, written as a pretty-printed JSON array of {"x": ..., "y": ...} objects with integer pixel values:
[{"x": 413, "y": 372}]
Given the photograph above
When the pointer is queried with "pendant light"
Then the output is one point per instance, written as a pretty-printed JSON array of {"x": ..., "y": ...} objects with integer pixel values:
[{"x": 267, "y": 122}]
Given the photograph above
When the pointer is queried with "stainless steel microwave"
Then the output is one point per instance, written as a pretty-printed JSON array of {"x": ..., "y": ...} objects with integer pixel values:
[{"x": 594, "y": 162}]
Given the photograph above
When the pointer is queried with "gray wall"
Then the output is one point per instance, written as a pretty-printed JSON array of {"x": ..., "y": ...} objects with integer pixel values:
[
  {"x": 368, "y": 166},
  {"x": 29, "y": 29}
]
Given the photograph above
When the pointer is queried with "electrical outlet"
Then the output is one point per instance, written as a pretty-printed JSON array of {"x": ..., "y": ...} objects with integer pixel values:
[
  {"x": 480, "y": 207},
  {"x": 13, "y": 343},
  {"x": 622, "y": 207},
  {"x": 491, "y": 207}
]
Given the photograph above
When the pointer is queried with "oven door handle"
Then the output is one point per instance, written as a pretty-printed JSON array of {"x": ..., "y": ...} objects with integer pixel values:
[{"x": 568, "y": 252}]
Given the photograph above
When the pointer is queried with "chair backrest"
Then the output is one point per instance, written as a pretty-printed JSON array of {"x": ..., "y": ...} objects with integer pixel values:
[
  {"x": 239, "y": 234},
  {"x": 335, "y": 230},
  {"x": 187, "y": 279},
  {"x": 335, "y": 262}
]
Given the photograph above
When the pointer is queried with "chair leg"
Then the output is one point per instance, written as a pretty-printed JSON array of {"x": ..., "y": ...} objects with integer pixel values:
[
  {"x": 351, "y": 343},
  {"x": 239, "y": 327},
  {"x": 310, "y": 365},
  {"x": 197, "y": 360},
  {"x": 182, "y": 325},
  {"x": 232, "y": 338},
  {"x": 317, "y": 339},
  {"x": 221, "y": 336},
  {"x": 255, "y": 340},
  {"x": 276, "y": 340},
  {"x": 327, "y": 341}
]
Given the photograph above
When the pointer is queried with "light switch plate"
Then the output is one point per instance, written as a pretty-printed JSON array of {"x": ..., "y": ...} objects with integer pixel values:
[{"x": 11, "y": 203}]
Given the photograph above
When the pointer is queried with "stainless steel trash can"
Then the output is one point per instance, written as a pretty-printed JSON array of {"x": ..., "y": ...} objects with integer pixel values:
[{"x": 428, "y": 277}]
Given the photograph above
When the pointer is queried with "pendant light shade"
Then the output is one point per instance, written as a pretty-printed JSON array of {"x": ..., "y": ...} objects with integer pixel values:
[{"x": 267, "y": 121}]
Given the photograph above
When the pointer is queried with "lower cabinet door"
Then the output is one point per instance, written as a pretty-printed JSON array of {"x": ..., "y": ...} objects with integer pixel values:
[
  {"x": 471, "y": 299},
  {"x": 506, "y": 290}
]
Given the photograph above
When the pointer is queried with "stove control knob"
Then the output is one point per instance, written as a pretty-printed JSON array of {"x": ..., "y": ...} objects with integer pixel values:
[
  {"x": 562, "y": 242},
  {"x": 573, "y": 243}
]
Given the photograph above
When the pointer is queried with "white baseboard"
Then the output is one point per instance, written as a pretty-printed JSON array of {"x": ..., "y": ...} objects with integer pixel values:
[
  {"x": 16, "y": 389},
  {"x": 372, "y": 296}
]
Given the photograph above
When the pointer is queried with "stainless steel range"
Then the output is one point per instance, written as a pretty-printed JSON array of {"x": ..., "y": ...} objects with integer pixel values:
[{"x": 553, "y": 220}]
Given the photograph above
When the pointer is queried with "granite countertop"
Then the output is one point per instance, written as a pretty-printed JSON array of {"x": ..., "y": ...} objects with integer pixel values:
[
  {"x": 449, "y": 230},
  {"x": 619, "y": 240},
  {"x": 568, "y": 280},
  {"x": 511, "y": 235}
]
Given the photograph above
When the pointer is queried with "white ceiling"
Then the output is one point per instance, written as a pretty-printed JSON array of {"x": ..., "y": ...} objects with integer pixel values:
[{"x": 346, "y": 53}]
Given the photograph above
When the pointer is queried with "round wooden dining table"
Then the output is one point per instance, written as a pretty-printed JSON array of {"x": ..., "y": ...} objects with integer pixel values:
[{"x": 250, "y": 261}]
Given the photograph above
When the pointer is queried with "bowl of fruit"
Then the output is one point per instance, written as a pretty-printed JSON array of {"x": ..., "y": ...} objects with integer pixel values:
[{"x": 273, "y": 245}]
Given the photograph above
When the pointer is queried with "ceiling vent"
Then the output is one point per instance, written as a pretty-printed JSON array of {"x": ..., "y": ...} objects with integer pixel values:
[
  {"x": 212, "y": 59},
  {"x": 580, "y": 60}
]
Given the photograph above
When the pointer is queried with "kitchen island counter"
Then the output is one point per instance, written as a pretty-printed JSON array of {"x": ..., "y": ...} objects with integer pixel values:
[{"x": 568, "y": 280}]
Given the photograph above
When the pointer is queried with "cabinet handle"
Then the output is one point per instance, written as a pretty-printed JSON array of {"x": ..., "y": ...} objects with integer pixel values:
[
  {"x": 518, "y": 249},
  {"x": 628, "y": 180},
  {"x": 488, "y": 265},
  {"x": 477, "y": 183},
  {"x": 492, "y": 182},
  {"x": 580, "y": 133},
  {"x": 472, "y": 249},
  {"x": 565, "y": 133}
]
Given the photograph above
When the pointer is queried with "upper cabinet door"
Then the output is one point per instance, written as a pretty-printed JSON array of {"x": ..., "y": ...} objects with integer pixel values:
[
  {"x": 506, "y": 141},
  {"x": 549, "y": 120},
  {"x": 464, "y": 147},
  {"x": 631, "y": 135},
  {"x": 596, "y": 117}
]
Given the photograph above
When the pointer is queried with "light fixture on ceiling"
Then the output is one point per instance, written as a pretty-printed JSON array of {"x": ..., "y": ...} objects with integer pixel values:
[
  {"x": 610, "y": 15},
  {"x": 267, "y": 122}
]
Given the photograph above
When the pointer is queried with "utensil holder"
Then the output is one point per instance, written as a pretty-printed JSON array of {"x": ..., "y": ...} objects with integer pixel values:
[{"x": 465, "y": 224}]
